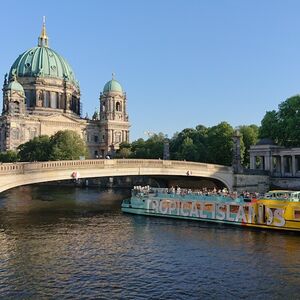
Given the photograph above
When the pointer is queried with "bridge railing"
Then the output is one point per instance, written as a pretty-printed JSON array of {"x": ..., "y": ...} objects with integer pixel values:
[
  {"x": 11, "y": 168},
  {"x": 24, "y": 167}
]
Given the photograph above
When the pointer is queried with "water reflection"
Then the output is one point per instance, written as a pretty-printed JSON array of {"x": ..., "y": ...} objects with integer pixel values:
[{"x": 75, "y": 243}]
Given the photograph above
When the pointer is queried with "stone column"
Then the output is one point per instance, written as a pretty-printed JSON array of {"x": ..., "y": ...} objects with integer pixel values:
[
  {"x": 114, "y": 108},
  {"x": 108, "y": 134},
  {"x": 282, "y": 165},
  {"x": 252, "y": 161},
  {"x": 267, "y": 162},
  {"x": 293, "y": 165},
  {"x": 110, "y": 108}
]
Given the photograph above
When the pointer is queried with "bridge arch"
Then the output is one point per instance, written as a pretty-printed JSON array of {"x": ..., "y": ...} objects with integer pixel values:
[{"x": 17, "y": 174}]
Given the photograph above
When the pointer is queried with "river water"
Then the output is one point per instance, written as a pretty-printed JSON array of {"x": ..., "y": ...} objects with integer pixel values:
[{"x": 71, "y": 243}]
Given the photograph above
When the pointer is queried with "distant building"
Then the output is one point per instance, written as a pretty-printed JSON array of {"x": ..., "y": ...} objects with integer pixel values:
[
  {"x": 42, "y": 96},
  {"x": 279, "y": 161}
]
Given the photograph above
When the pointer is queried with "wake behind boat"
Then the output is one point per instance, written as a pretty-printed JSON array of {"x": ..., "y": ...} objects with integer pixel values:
[{"x": 275, "y": 210}]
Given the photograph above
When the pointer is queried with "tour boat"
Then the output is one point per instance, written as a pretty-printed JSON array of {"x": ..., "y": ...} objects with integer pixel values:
[{"x": 275, "y": 210}]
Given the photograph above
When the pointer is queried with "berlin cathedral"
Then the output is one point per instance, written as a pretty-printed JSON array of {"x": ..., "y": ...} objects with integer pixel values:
[{"x": 42, "y": 96}]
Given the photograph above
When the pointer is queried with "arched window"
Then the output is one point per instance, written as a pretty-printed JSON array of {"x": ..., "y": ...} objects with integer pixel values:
[
  {"x": 53, "y": 100},
  {"x": 46, "y": 99},
  {"x": 16, "y": 107},
  {"x": 15, "y": 134},
  {"x": 118, "y": 106},
  {"x": 118, "y": 137}
]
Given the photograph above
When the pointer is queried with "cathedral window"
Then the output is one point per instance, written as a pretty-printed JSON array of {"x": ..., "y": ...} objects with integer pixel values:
[
  {"x": 53, "y": 100},
  {"x": 47, "y": 99},
  {"x": 96, "y": 138},
  {"x": 15, "y": 134},
  {"x": 30, "y": 98},
  {"x": 118, "y": 137},
  {"x": 74, "y": 105},
  {"x": 16, "y": 107},
  {"x": 61, "y": 101},
  {"x": 118, "y": 106}
]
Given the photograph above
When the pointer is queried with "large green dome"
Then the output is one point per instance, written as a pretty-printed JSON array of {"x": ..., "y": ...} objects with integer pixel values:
[
  {"x": 42, "y": 61},
  {"x": 112, "y": 86}
]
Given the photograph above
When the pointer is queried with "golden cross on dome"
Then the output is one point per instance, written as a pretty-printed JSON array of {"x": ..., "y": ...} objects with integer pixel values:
[{"x": 43, "y": 38}]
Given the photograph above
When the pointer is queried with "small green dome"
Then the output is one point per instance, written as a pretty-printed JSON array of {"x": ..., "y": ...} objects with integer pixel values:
[
  {"x": 112, "y": 86},
  {"x": 14, "y": 85},
  {"x": 42, "y": 62}
]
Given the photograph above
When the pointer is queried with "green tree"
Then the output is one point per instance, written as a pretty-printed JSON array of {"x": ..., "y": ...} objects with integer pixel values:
[
  {"x": 249, "y": 138},
  {"x": 220, "y": 144},
  {"x": 124, "y": 151},
  {"x": 269, "y": 126},
  {"x": 155, "y": 146},
  {"x": 138, "y": 149},
  {"x": 151, "y": 148},
  {"x": 63, "y": 145},
  {"x": 67, "y": 145},
  {"x": 288, "y": 122},
  {"x": 37, "y": 149},
  {"x": 9, "y": 156},
  {"x": 189, "y": 150},
  {"x": 283, "y": 125},
  {"x": 181, "y": 141}
]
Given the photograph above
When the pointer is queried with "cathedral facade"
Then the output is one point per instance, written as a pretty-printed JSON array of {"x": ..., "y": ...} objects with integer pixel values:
[{"x": 42, "y": 96}]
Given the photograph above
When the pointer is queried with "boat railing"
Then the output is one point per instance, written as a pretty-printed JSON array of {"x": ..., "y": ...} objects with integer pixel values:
[
  {"x": 292, "y": 196},
  {"x": 188, "y": 195}
]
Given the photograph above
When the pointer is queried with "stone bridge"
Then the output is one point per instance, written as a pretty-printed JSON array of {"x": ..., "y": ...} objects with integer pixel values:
[{"x": 17, "y": 174}]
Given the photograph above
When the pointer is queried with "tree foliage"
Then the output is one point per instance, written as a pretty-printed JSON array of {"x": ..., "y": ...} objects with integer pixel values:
[
  {"x": 249, "y": 137},
  {"x": 37, "y": 149},
  {"x": 63, "y": 145},
  {"x": 67, "y": 145},
  {"x": 220, "y": 144},
  {"x": 283, "y": 125},
  {"x": 200, "y": 144},
  {"x": 124, "y": 151},
  {"x": 9, "y": 156},
  {"x": 151, "y": 148},
  {"x": 269, "y": 126},
  {"x": 189, "y": 144}
]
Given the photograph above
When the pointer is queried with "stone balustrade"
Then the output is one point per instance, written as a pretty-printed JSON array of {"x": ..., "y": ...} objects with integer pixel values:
[
  {"x": 16, "y": 174},
  {"x": 24, "y": 167}
]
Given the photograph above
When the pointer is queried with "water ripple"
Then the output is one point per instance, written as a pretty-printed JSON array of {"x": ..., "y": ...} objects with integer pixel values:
[{"x": 80, "y": 246}]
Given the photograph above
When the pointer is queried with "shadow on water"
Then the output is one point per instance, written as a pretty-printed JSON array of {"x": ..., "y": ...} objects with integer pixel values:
[{"x": 32, "y": 204}]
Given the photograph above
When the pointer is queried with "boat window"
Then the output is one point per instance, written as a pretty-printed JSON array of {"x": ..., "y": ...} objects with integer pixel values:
[
  {"x": 282, "y": 195},
  {"x": 297, "y": 214}
]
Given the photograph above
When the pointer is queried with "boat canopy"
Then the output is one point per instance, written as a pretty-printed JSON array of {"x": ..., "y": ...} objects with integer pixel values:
[{"x": 293, "y": 196}]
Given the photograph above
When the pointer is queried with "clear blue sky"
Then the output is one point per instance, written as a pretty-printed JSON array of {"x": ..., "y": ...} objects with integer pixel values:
[{"x": 182, "y": 63}]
